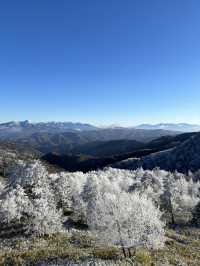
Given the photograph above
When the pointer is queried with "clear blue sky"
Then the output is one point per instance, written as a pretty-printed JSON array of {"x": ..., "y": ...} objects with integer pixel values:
[{"x": 100, "y": 61}]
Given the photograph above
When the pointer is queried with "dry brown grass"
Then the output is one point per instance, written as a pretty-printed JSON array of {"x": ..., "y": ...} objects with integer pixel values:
[{"x": 182, "y": 247}]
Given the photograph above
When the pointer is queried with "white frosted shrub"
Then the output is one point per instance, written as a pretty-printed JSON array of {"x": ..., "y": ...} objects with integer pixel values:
[
  {"x": 45, "y": 218},
  {"x": 127, "y": 220},
  {"x": 31, "y": 195},
  {"x": 185, "y": 194},
  {"x": 1, "y": 187},
  {"x": 15, "y": 205},
  {"x": 113, "y": 202},
  {"x": 28, "y": 174}
]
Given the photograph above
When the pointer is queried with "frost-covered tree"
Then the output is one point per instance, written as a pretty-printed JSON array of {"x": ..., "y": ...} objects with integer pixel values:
[
  {"x": 150, "y": 183},
  {"x": 30, "y": 195},
  {"x": 7, "y": 158},
  {"x": 180, "y": 194},
  {"x": 15, "y": 205},
  {"x": 45, "y": 218},
  {"x": 167, "y": 197},
  {"x": 62, "y": 188},
  {"x": 71, "y": 185},
  {"x": 1, "y": 187},
  {"x": 186, "y": 194},
  {"x": 125, "y": 219},
  {"x": 28, "y": 174},
  {"x": 42, "y": 198},
  {"x": 118, "y": 216}
]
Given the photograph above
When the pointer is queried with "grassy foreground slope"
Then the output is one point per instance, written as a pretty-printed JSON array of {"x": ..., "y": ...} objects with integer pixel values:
[{"x": 182, "y": 248}]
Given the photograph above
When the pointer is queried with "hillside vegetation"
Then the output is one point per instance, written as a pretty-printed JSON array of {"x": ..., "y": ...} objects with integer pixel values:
[{"x": 67, "y": 217}]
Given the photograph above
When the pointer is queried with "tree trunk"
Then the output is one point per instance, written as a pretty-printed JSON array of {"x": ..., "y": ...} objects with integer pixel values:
[
  {"x": 129, "y": 253},
  {"x": 121, "y": 240}
]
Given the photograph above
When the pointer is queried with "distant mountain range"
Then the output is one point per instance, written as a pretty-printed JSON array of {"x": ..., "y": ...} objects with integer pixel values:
[
  {"x": 64, "y": 137},
  {"x": 76, "y": 146},
  {"x": 26, "y": 128},
  {"x": 182, "y": 127},
  {"x": 23, "y": 129}
]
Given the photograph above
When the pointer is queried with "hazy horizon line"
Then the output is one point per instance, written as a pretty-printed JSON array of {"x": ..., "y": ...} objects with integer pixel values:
[{"x": 101, "y": 125}]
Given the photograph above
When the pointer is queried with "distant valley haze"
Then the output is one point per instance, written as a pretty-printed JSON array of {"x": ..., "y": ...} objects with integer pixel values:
[{"x": 66, "y": 125}]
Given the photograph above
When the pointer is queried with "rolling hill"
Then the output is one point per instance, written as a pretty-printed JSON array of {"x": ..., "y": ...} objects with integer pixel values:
[
  {"x": 108, "y": 148},
  {"x": 184, "y": 157},
  {"x": 87, "y": 157},
  {"x": 67, "y": 142}
]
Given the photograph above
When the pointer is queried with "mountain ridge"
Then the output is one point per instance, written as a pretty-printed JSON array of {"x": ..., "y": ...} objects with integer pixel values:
[
  {"x": 182, "y": 127},
  {"x": 183, "y": 158},
  {"x": 26, "y": 128},
  {"x": 65, "y": 142}
]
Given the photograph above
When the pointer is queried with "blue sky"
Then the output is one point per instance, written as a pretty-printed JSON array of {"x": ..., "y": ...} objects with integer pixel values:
[{"x": 100, "y": 61}]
